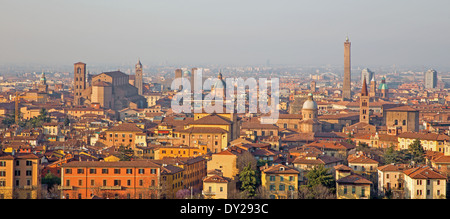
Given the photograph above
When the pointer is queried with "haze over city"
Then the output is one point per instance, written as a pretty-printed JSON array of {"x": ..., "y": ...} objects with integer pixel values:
[
  {"x": 229, "y": 100},
  {"x": 200, "y": 32}
]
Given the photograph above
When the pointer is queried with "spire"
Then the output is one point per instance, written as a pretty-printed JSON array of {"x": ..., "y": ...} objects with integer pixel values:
[
  {"x": 346, "y": 39},
  {"x": 139, "y": 62},
  {"x": 364, "y": 88}
]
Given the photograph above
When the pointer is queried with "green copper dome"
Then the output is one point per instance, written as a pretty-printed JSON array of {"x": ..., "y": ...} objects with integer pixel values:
[{"x": 383, "y": 86}]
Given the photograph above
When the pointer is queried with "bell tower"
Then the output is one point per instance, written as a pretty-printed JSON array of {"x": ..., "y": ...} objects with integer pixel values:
[
  {"x": 79, "y": 82},
  {"x": 138, "y": 77},
  {"x": 364, "y": 104}
]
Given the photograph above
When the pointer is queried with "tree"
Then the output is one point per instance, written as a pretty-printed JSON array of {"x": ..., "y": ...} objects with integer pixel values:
[
  {"x": 8, "y": 120},
  {"x": 417, "y": 152},
  {"x": 36, "y": 121},
  {"x": 248, "y": 180},
  {"x": 50, "y": 179},
  {"x": 317, "y": 192},
  {"x": 320, "y": 175},
  {"x": 393, "y": 156},
  {"x": 362, "y": 146},
  {"x": 66, "y": 121},
  {"x": 349, "y": 138},
  {"x": 125, "y": 153}
]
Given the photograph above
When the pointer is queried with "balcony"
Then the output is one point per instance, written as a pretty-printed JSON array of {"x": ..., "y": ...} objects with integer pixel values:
[
  {"x": 27, "y": 187},
  {"x": 110, "y": 187},
  {"x": 208, "y": 193},
  {"x": 65, "y": 187}
]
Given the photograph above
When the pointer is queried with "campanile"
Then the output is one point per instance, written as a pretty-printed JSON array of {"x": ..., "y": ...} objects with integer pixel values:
[{"x": 79, "y": 82}]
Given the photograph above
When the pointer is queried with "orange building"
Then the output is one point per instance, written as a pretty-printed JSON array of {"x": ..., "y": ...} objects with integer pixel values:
[
  {"x": 119, "y": 180},
  {"x": 19, "y": 176},
  {"x": 180, "y": 151},
  {"x": 122, "y": 134}
]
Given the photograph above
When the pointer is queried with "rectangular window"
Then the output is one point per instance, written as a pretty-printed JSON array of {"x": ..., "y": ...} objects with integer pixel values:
[{"x": 272, "y": 178}]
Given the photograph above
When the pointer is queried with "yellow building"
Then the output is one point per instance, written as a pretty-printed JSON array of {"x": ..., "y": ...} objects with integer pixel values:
[
  {"x": 424, "y": 183},
  {"x": 216, "y": 186},
  {"x": 171, "y": 180},
  {"x": 19, "y": 176},
  {"x": 213, "y": 130},
  {"x": 205, "y": 119},
  {"x": 111, "y": 158},
  {"x": 353, "y": 186},
  {"x": 227, "y": 161},
  {"x": 179, "y": 151},
  {"x": 194, "y": 170},
  {"x": 391, "y": 178},
  {"x": 429, "y": 141},
  {"x": 280, "y": 181},
  {"x": 362, "y": 164}
]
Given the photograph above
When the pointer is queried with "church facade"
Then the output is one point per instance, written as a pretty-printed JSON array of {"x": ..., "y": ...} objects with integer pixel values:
[{"x": 108, "y": 90}]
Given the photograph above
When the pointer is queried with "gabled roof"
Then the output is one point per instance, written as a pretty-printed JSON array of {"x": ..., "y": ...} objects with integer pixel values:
[
  {"x": 342, "y": 167},
  {"x": 361, "y": 159},
  {"x": 402, "y": 108},
  {"x": 115, "y": 73},
  {"x": 354, "y": 178},
  {"x": 212, "y": 119},
  {"x": 392, "y": 168},
  {"x": 213, "y": 130},
  {"x": 424, "y": 136},
  {"x": 319, "y": 159},
  {"x": 423, "y": 173},
  {"x": 280, "y": 169},
  {"x": 216, "y": 179},
  {"x": 125, "y": 127}
]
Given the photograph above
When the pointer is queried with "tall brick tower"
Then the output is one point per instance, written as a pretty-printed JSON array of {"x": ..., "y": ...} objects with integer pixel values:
[
  {"x": 347, "y": 92},
  {"x": 364, "y": 104},
  {"x": 138, "y": 82},
  {"x": 79, "y": 82}
]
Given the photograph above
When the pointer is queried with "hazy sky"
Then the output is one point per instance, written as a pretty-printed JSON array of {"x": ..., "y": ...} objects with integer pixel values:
[{"x": 303, "y": 32}]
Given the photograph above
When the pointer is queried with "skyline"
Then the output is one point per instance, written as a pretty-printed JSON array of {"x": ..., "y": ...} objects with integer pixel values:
[{"x": 202, "y": 32}]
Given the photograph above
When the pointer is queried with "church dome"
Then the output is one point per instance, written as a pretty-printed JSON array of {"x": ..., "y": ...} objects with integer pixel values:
[
  {"x": 310, "y": 103},
  {"x": 187, "y": 73},
  {"x": 220, "y": 83}
]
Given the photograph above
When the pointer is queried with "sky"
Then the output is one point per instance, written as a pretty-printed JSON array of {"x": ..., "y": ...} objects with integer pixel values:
[{"x": 231, "y": 32}]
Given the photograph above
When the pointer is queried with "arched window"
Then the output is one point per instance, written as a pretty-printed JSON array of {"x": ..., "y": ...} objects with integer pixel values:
[{"x": 78, "y": 70}]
